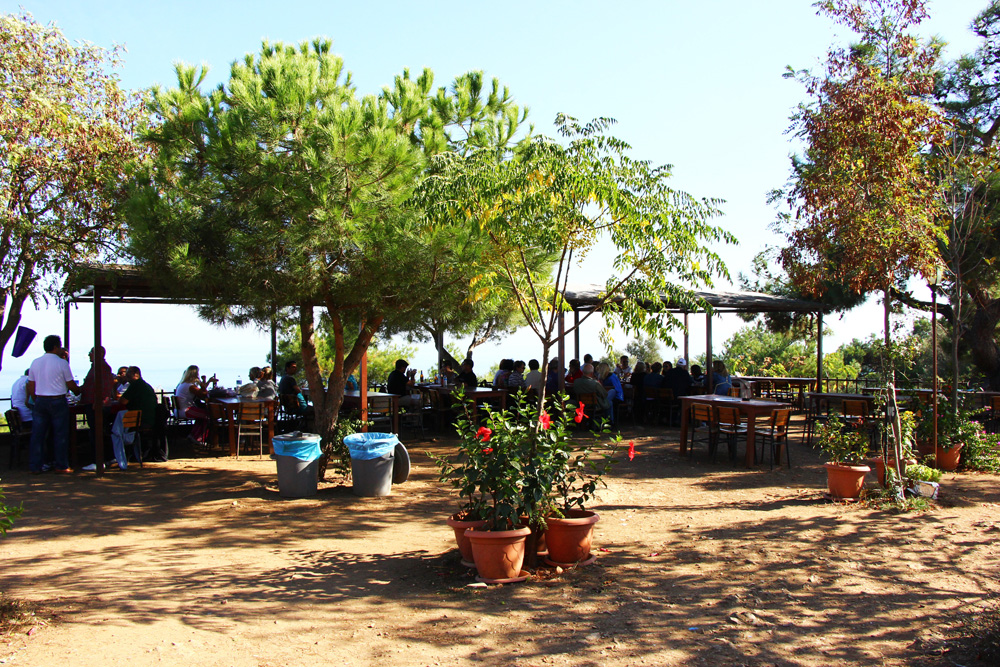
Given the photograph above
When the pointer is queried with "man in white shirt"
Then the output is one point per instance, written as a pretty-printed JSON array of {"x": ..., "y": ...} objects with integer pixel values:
[
  {"x": 19, "y": 398},
  {"x": 49, "y": 378}
]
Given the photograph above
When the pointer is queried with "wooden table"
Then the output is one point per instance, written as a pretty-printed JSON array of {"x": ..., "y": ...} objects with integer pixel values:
[
  {"x": 352, "y": 399},
  {"x": 800, "y": 384},
  {"x": 752, "y": 409},
  {"x": 474, "y": 394},
  {"x": 815, "y": 397},
  {"x": 230, "y": 405}
]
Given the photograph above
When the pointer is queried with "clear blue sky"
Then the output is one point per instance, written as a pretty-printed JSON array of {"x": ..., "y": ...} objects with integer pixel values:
[{"x": 695, "y": 85}]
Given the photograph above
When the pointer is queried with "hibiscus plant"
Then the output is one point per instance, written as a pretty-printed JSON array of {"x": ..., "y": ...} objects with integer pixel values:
[{"x": 520, "y": 464}]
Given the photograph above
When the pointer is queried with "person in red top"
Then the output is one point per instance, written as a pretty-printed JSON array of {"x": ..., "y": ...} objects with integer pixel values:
[
  {"x": 574, "y": 371},
  {"x": 108, "y": 401}
]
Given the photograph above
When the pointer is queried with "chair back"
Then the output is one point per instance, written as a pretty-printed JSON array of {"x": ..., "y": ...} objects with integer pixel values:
[
  {"x": 588, "y": 400},
  {"x": 251, "y": 413},
  {"x": 665, "y": 394},
  {"x": 727, "y": 416},
  {"x": 995, "y": 403},
  {"x": 734, "y": 392},
  {"x": 176, "y": 408},
  {"x": 14, "y": 423},
  {"x": 701, "y": 412},
  {"x": 855, "y": 408},
  {"x": 132, "y": 419},
  {"x": 779, "y": 420}
]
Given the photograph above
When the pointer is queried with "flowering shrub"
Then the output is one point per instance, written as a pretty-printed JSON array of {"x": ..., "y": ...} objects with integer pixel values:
[
  {"x": 842, "y": 445},
  {"x": 524, "y": 463}
]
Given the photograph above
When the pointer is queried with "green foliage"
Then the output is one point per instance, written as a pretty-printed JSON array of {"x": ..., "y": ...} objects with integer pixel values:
[
  {"x": 863, "y": 201},
  {"x": 842, "y": 444},
  {"x": 922, "y": 473},
  {"x": 757, "y": 350},
  {"x": 66, "y": 142},
  {"x": 336, "y": 456},
  {"x": 558, "y": 200},
  {"x": 8, "y": 513},
  {"x": 911, "y": 355},
  {"x": 523, "y": 462}
]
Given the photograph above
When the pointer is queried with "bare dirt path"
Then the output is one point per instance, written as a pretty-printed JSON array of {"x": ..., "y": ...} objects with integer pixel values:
[{"x": 200, "y": 561}]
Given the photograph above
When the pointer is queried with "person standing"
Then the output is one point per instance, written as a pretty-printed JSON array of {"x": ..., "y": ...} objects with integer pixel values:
[
  {"x": 49, "y": 378},
  {"x": 90, "y": 402}
]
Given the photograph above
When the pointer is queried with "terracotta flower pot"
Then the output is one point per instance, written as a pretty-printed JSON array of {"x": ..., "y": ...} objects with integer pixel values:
[
  {"x": 925, "y": 447},
  {"x": 947, "y": 459},
  {"x": 463, "y": 542},
  {"x": 880, "y": 467},
  {"x": 845, "y": 481},
  {"x": 498, "y": 554},
  {"x": 569, "y": 538}
]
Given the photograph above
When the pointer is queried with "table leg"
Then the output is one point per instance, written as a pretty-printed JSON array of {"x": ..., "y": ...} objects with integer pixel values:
[
  {"x": 685, "y": 415},
  {"x": 748, "y": 459},
  {"x": 231, "y": 418}
]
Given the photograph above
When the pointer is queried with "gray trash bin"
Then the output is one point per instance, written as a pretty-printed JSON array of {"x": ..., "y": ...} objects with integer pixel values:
[
  {"x": 372, "y": 462},
  {"x": 297, "y": 455}
]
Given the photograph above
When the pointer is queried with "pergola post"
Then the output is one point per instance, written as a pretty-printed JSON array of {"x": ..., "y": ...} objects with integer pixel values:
[
  {"x": 363, "y": 390},
  {"x": 562, "y": 349},
  {"x": 687, "y": 338},
  {"x": 819, "y": 351},
  {"x": 95, "y": 367},
  {"x": 708, "y": 352}
]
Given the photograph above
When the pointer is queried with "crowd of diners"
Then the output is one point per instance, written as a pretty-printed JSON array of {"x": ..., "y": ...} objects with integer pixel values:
[{"x": 610, "y": 384}]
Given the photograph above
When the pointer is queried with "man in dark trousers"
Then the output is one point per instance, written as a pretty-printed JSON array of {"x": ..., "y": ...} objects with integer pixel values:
[{"x": 49, "y": 378}]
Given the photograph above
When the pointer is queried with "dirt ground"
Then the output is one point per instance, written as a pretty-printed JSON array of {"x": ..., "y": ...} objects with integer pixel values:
[{"x": 200, "y": 561}]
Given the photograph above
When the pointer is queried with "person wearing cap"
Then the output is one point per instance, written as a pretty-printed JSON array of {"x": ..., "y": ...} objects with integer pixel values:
[{"x": 679, "y": 379}]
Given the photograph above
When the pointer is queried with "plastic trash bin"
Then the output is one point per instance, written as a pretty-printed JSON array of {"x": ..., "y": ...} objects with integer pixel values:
[
  {"x": 297, "y": 455},
  {"x": 373, "y": 462}
]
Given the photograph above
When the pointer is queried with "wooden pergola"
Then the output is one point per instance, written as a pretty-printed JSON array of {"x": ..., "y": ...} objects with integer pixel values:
[
  {"x": 588, "y": 298},
  {"x": 117, "y": 283}
]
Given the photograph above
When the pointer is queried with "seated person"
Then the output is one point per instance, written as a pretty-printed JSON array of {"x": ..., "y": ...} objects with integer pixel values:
[
  {"x": 720, "y": 378},
  {"x": 653, "y": 379},
  {"x": 588, "y": 384},
  {"x": 265, "y": 384},
  {"x": 19, "y": 398},
  {"x": 500, "y": 379},
  {"x": 533, "y": 380},
  {"x": 293, "y": 401},
  {"x": 622, "y": 368},
  {"x": 250, "y": 389},
  {"x": 189, "y": 392},
  {"x": 697, "y": 377},
  {"x": 574, "y": 372},
  {"x": 516, "y": 378},
  {"x": 447, "y": 373},
  {"x": 400, "y": 381},
  {"x": 139, "y": 396},
  {"x": 351, "y": 384},
  {"x": 610, "y": 382},
  {"x": 552, "y": 377},
  {"x": 121, "y": 380},
  {"x": 679, "y": 380},
  {"x": 466, "y": 376}
]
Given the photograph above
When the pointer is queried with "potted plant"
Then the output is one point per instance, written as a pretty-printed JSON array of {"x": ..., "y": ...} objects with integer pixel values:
[
  {"x": 464, "y": 476},
  {"x": 846, "y": 448},
  {"x": 580, "y": 468}
]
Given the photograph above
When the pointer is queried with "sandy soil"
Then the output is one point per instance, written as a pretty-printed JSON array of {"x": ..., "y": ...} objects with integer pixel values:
[{"x": 200, "y": 561}]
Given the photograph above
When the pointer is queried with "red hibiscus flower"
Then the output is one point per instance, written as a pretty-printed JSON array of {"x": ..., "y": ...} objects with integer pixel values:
[
  {"x": 484, "y": 434},
  {"x": 579, "y": 414},
  {"x": 545, "y": 420},
  {"x": 631, "y": 450},
  {"x": 488, "y": 450}
]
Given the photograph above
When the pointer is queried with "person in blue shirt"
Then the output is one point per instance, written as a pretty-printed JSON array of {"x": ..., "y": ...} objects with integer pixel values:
[{"x": 720, "y": 378}]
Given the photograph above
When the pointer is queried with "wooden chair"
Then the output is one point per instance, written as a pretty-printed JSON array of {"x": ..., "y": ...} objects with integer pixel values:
[
  {"x": 730, "y": 424},
  {"x": 703, "y": 423},
  {"x": 20, "y": 435},
  {"x": 589, "y": 408},
  {"x": 734, "y": 392},
  {"x": 777, "y": 435},
  {"x": 131, "y": 421},
  {"x": 251, "y": 417},
  {"x": 177, "y": 415}
]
